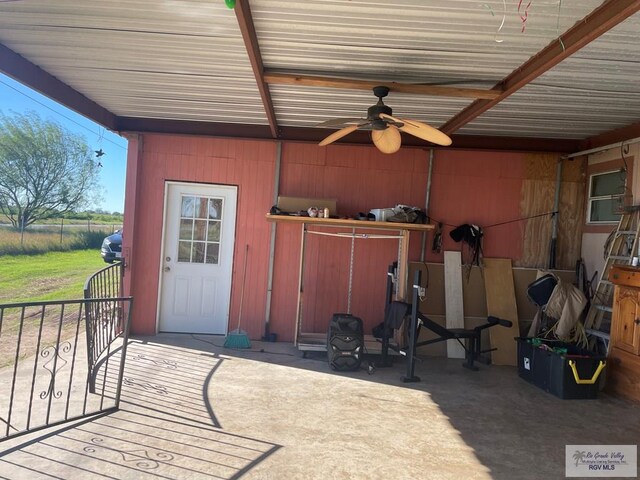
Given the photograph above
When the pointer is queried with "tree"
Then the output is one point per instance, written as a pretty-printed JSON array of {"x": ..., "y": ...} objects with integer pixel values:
[{"x": 45, "y": 170}]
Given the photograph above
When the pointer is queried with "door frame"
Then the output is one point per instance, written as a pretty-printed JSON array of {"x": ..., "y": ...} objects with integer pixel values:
[{"x": 167, "y": 184}]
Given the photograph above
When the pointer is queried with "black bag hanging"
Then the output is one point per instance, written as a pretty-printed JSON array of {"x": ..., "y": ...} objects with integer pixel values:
[{"x": 472, "y": 236}]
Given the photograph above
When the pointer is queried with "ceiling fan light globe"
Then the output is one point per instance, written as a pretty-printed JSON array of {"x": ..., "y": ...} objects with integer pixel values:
[{"x": 387, "y": 140}]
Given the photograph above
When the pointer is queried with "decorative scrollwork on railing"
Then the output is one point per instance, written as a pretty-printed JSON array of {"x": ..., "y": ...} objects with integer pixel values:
[
  {"x": 141, "y": 458},
  {"x": 158, "y": 389},
  {"x": 96, "y": 441},
  {"x": 53, "y": 366},
  {"x": 169, "y": 364}
]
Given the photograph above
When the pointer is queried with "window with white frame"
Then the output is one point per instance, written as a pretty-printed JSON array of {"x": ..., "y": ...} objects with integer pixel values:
[{"x": 606, "y": 195}]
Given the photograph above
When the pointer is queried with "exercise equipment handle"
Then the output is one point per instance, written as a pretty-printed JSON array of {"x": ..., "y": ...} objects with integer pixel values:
[{"x": 495, "y": 320}]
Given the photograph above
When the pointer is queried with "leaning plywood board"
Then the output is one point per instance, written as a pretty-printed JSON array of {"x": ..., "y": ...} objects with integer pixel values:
[
  {"x": 501, "y": 303},
  {"x": 453, "y": 299}
]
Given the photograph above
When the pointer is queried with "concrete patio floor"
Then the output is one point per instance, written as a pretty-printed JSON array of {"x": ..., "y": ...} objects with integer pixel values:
[{"x": 192, "y": 409}]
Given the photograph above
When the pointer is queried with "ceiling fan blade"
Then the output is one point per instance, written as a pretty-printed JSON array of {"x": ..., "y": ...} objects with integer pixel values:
[
  {"x": 387, "y": 140},
  {"x": 421, "y": 130},
  {"x": 338, "y": 135},
  {"x": 335, "y": 122}
]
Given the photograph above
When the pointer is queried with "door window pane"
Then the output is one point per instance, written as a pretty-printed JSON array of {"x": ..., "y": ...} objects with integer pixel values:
[
  {"x": 186, "y": 229},
  {"x": 187, "y": 209},
  {"x": 201, "y": 211},
  {"x": 214, "y": 232},
  {"x": 197, "y": 253},
  {"x": 199, "y": 231},
  {"x": 184, "y": 251},
  {"x": 213, "y": 251},
  {"x": 215, "y": 208}
]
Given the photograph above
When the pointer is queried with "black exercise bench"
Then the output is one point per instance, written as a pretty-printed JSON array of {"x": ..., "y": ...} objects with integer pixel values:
[{"x": 470, "y": 339}]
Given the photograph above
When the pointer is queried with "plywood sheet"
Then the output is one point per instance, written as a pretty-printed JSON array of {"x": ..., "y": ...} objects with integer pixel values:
[
  {"x": 501, "y": 302},
  {"x": 541, "y": 166},
  {"x": 453, "y": 299},
  {"x": 474, "y": 299},
  {"x": 570, "y": 221},
  {"x": 537, "y": 197}
]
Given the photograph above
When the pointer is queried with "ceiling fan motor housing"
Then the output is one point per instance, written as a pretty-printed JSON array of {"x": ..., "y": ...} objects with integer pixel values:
[{"x": 373, "y": 115}]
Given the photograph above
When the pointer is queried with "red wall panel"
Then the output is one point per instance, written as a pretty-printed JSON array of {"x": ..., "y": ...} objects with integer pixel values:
[
  {"x": 468, "y": 187},
  {"x": 480, "y": 188},
  {"x": 247, "y": 164},
  {"x": 359, "y": 178}
]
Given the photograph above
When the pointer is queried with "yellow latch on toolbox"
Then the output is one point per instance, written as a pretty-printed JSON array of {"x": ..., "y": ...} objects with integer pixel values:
[{"x": 592, "y": 380}]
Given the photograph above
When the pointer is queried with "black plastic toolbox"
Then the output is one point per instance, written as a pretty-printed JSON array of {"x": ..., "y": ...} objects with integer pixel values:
[{"x": 550, "y": 365}]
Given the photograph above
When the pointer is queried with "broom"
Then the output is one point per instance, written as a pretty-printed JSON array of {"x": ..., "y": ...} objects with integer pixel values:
[{"x": 238, "y": 338}]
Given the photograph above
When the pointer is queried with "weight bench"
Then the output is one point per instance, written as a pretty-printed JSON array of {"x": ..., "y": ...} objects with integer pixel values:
[{"x": 469, "y": 338}]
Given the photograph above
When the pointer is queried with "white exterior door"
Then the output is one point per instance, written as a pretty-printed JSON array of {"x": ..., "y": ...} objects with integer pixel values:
[{"x": 197, "y": 260}]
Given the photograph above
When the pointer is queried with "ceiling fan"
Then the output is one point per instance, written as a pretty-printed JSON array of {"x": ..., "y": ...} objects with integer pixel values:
[{"x": 385, "y": 128}]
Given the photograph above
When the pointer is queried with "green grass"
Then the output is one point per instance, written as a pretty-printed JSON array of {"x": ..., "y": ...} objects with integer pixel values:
[
  {"x": 34, "y": 241},
  {"x": 49, "y": 276},
  {"x": 78, "y": 218}
]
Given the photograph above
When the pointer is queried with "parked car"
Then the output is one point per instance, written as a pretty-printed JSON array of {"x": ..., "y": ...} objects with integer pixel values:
[{"x": 111, "y": 249}]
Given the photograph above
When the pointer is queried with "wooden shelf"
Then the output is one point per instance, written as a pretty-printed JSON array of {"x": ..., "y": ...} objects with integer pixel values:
[
  {"x": 340, "y": 222},
  {"x": 307, "y": 341}
]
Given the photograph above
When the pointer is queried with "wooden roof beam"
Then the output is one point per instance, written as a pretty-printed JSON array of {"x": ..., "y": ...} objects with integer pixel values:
[
  {"x": 29, "y": 74},
  {"x": 361, "y": 137},
  {"x": 599, "y": 21},
  {"x": 247, "y": 28},
  {"x": 350, "y": 84},
  {"x": 614, "y": 136}
]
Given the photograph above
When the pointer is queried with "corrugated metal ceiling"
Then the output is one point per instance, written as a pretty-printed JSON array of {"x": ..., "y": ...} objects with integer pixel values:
[
  {"x": 438, "y": 42},
  {"x": 186, "y": 60},
  {"x": 593, "y": 91},
  {"x": 167, "y": 59}
]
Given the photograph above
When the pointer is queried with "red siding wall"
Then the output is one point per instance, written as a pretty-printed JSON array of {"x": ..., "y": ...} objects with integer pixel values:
[
  {"x": 468, "y": 187},
  {"x": 482, "y": 188},
  {"x": 247, "y": 164}
]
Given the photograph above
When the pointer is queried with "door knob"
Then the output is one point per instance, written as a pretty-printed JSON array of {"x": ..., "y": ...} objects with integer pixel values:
[{"x": 166, "y": 269}]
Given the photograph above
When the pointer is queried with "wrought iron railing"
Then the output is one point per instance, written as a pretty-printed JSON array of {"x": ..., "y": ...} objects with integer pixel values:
[
  {"x": 105, "y": 283},
  {"x": 44, "y": 377},
  {"x": 104, "y": 320}
]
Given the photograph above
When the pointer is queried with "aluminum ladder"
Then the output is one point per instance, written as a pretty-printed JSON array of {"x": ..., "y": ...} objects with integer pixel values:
[{"x": 623, "y": 247}]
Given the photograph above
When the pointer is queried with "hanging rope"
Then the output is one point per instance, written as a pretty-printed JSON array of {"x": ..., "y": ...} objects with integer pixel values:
[
  {"x": 501, "y": 223},
  {"x": 520, "y": 219}
]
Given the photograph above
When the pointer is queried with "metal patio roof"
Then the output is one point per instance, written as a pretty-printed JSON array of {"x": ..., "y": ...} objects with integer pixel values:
[{"x": 564, "y": 70}]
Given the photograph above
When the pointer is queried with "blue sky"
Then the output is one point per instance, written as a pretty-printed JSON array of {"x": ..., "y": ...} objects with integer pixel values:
[{"x": 15, "y": 97}]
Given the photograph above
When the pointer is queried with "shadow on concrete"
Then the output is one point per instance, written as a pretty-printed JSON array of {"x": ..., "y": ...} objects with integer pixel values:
[
  {"x": 514, "y": 429},
  {"x": 166, "y": 428}
]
